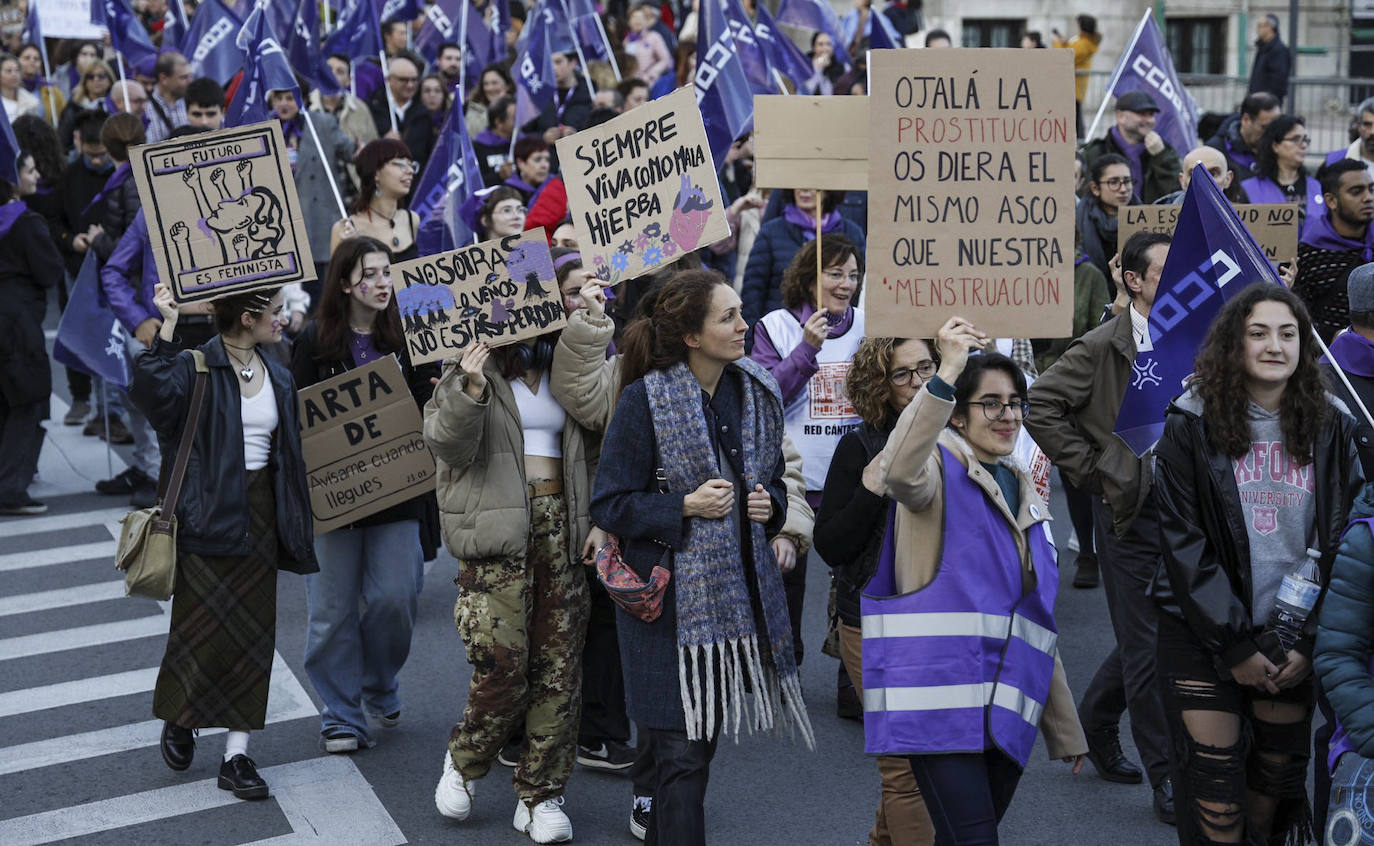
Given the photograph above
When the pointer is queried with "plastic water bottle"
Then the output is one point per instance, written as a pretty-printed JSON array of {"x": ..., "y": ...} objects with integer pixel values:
[{"x": 1296, "y": 598}]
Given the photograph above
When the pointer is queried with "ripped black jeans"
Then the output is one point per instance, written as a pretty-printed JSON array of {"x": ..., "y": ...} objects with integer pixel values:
[{"x": 1238, "y": 756}]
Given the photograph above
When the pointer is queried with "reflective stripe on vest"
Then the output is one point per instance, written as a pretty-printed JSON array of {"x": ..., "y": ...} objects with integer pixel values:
[{"x": 963, "y": 664}]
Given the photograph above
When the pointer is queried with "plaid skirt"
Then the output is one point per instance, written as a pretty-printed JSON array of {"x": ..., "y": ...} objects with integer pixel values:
[{"x": 218, "y": 664}]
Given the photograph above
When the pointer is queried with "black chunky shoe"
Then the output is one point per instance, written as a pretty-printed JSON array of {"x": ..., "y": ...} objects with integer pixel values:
[
  {"x": 240, "y": 775},
  {"x": 1104, "y": 750},
  {"x": 1164, "y": 802},
  {"x": 178, "y": 746}
]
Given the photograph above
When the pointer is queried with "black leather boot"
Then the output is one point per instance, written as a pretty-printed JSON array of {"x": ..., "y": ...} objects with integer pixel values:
[
  {"x": 1104, "y": 750},
  {"x": 178, "y": 746}
]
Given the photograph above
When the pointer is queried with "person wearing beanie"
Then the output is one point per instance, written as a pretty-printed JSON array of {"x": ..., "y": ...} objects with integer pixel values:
[{"x": 1334, "y": 243}]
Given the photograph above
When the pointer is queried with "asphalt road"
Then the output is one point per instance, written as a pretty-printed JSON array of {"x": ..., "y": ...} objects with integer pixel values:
[{"x": 79, "y": 763}]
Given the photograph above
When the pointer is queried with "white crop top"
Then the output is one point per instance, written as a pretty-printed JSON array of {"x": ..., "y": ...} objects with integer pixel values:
[
  {"x": 541, "y": 418},
  {"x": 259, "y": 422}
]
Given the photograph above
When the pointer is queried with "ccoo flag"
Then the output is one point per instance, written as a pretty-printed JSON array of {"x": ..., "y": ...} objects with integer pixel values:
[
  {"x": 303, "y": 49},
  {"x": 723, "y": 93},
  {"x": 127, "y": 34},
  {"x": 1147, "y": 66},
  {"x": 751, "y": 56},
  {"x": 586, "y": 27},
  {"x": 783, "y": 56},
  {"x": 89, "y": 337},
  {"x": 357, "y": 32},
  {"x": 210, "y": 46},
  {"x": 450, "y": 177},
  {"x": 265, "y": 69},
  {"x": 1213, "y": 257},
  {"x": 535, "y": 84}
]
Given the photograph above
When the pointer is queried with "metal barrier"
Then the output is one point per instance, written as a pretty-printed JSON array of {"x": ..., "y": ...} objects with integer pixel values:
[{"x": 1328, "y": 103}]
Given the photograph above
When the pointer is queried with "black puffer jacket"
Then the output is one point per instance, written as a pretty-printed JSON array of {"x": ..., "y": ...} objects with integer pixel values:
[
  {"x": 1204, "y": 579},
  {"x": 212, "y": 514},
  {"x": 851, "y": 519},
  {"x": 121, "y": 205}
]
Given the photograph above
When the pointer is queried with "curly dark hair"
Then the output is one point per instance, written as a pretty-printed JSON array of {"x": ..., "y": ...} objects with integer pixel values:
[
  {"x": 799, "y": 280},
  {"x": 1220, "y": 378},
  {"x": 867, "y": 385}
]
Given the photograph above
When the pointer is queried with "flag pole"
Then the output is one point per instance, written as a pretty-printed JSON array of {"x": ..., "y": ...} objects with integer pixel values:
[
  {"x": 325, "y": 21},
  {"x": 463, "y": 52},
  {"x": 386, "y": 85},
  {"x": 1116, "y": 74},
  {"x": 777, "y": 80},
  {"x": 615, "y": 67},
  {"x": 47, "y": 78},
  {"x": 325, "y": 163},
  {"x": 105, "y": 413},
  {"x": 119, "y": 60},
  {"x": 582, "y": 60}
]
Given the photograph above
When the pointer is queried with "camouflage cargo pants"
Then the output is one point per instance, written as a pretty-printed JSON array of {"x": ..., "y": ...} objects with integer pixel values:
[{"x": 523, "y": 620}]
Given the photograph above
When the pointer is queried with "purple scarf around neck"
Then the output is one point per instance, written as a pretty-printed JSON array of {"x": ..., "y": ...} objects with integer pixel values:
[
  {"x": 491, "y": 139},
  {"x": 1135, "y": 157},
  {"x": 9, "y": 213},
  {"x": 807, "y": 224},
  {"x": 1321, "y": 234},
  {"x": 118, "y": 178}
]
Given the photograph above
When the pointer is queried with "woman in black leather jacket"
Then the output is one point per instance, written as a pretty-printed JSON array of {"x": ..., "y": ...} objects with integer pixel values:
[
  {"x": 883, "y": 379},
  {"x": 243, "y": 514},
  {"x": 1255, "y": 467}
]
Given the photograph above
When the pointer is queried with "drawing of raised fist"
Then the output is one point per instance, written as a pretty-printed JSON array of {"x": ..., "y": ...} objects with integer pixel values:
[
  {"x": 217, "y": 177},
  {"x": 245, "y": 171},
  {"x": 180, "y": 234},
  {"x": 241, "y": 246}
]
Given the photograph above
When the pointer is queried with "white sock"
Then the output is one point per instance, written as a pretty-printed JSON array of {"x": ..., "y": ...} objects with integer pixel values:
[{"x": 236, "y": 744}]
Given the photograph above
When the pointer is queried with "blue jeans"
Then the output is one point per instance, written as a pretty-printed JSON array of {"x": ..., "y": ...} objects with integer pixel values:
[
  {"x": 966, "y": 794},
  {"x": 362, "y": 608}
]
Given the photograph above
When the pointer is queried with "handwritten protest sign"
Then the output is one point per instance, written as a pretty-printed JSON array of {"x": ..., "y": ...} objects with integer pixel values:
[
  {"x": 970, "y": 192},
  {"x": 222, "y": 210},
  {"x": 1274, "y": 225},
  {"x": 364, "y": 444},
  {"x": 497, "y": 292},
  {"x": 642, "y": 188},
  {"x": 811, "y": 142}
]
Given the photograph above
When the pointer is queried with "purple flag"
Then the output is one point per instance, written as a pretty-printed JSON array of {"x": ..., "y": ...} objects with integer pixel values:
[
  {"x": 399, "y": 10},
  {"x": 783, "y": 55},
  {"x": 89, "y": 336},
  {"x": 265, "y": 69},
  {"x": 586, "y": 28},
  {"x": 1212, "y": 258},
  {"x": 9, "y": 150},
  {"x": 32, "y": 33},
  {"x": 723, "y": 92},
  {"x": 451, "y": 176},
  {"x": 1147, "y": 66},
  {"x": 303, "y": 49},
  {"x": 358, "y": 33},
  {"x": 814, "y": 15},
  {"x": 127, "y": 34},
  {"x": 175, "y": 26},
  {"x": 535, "y": 84},
  {"x": 881, "y": 34},
  {"x": 751, "y": 56},
  {"x": 209, "y": 44}
]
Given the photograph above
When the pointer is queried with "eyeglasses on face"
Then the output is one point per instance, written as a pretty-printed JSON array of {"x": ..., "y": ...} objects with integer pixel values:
[
  {"x": 505, "y": 209},
  {"x": 405, "y": 165},
  {"x": 902, "y": 377},
  {"x": 1300, "y": 140},
  {"x": 994, "y": 410},
  {"x": 1119, "y": 182},
  {"x": 835, "y": 274}
]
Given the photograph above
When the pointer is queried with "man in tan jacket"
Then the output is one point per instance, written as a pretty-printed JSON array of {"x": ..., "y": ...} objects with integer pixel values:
[{"x": 1074, "y": 406}]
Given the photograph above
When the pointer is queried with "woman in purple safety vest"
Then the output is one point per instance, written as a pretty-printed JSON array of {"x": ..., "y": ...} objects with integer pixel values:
[{"x": 960, "y": 659}]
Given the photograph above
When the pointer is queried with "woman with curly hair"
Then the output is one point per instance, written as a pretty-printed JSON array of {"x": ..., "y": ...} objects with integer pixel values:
[
  {"x": 1257, "y": 469},
  {"x": 885, "y": 375}
]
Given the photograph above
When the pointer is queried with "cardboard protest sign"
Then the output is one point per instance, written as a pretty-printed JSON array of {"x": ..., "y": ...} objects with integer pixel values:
[
  {"x": 364, "y": 444},
  {"x": 1274, "y": 225},
  {"x": 970, "y": 192},
  {"x": 642, "y": 188},
  {"x": 811, "y": 142},
  {"x": 222, "y": 211},
  {"x": 497, "y": 292}
]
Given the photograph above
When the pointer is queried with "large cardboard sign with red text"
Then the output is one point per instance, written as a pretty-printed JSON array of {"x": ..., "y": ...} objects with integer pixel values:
[{"x": 970, "y": 192}]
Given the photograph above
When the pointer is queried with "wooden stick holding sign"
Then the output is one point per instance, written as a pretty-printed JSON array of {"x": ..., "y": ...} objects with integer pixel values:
[{"x": 819, "y": 205}]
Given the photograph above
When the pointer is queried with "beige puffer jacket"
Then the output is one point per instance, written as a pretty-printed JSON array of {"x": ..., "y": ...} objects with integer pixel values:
[{"x": 480, "y": 447}]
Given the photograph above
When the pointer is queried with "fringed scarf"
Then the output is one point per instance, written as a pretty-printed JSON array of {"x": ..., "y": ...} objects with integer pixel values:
[{"x": 715, "y": 618}]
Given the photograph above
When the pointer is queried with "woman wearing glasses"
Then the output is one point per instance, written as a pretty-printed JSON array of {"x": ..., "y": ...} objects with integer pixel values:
[
  {"x": 807, "y": 347},
  {"x": 960, "y": 662},
  {"x": 89, "y": 94},
  {"x": 1110, "y": 186},
  {"x": 885, "y": 376},
  {"x": 386, "y": 171},
  {"x": 1280, "y": 176}
]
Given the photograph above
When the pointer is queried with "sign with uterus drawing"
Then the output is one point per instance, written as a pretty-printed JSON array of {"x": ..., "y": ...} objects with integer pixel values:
[{"x": 222, "y": 211}]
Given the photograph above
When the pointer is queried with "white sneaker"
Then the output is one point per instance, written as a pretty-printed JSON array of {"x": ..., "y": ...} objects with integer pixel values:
[
  {"x": 453, "y": 795},
  {"x": 545, "y": 823}
]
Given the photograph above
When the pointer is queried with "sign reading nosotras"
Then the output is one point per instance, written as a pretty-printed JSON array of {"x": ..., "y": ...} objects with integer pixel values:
[
  {"x": 364, "y": 444},
  {"x": 970, "y": 192},
  {"x": 497, "y": 292},
  {"x": 222, "y": 211},
  {"x": 1274, "y": 225},
  {"x": 642, "y": 188}
]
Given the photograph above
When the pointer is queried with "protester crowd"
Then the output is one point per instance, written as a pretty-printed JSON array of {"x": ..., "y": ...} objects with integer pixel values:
[{"x": 699, "y": 428}]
